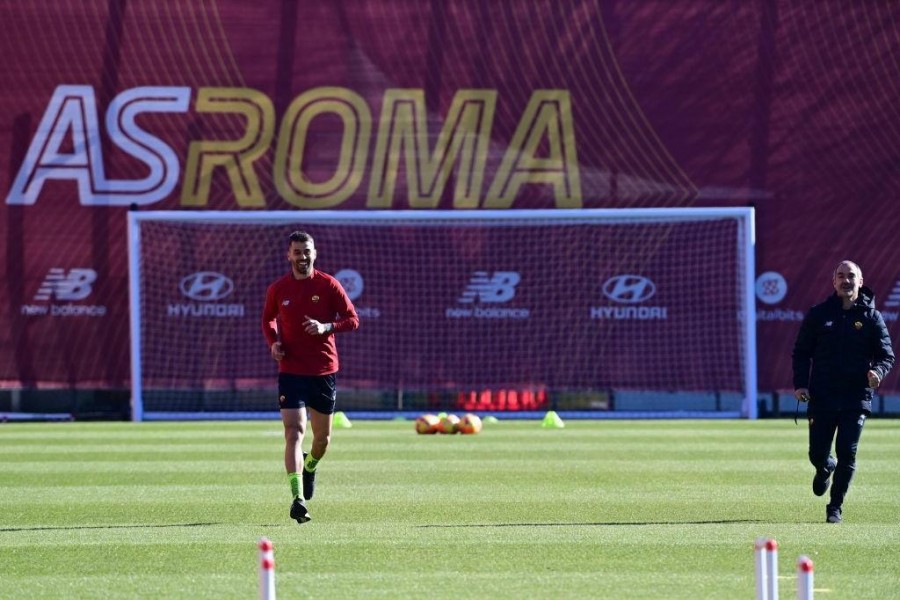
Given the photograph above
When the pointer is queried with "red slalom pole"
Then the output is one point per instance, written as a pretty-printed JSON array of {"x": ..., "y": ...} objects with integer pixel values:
[
  {"x": 772, "y": 568},
  {"x": 762, "y": 572},
  {"x": 804, "y": 578},
  {"x": 266, "y": 569}
]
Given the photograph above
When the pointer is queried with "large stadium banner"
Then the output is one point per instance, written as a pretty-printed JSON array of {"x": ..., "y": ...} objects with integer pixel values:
[{"x": 185, "y": 105}]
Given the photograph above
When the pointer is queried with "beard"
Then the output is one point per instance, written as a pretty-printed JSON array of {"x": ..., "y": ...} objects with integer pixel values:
[{"x": 303, "y": 268}]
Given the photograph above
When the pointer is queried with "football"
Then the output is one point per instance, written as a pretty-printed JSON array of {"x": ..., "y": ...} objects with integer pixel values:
[
  {"x": 427, "y": 424},
  {"x": 470, "y": 424},
  {"x": 448, "y": 424}
]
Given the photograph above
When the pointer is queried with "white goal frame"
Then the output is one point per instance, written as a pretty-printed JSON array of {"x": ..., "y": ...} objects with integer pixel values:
[{"x": 746, "y": 240}]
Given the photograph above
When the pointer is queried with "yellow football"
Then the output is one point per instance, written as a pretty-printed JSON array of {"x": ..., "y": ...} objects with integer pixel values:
[
  {"x": 470, "y": 424},
  {"x": 427, "y": 424},
  {"x": 449, "y": 424}
]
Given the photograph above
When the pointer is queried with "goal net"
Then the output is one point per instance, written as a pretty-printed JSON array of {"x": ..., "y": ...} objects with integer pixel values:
[{"x": 643, "y": 312}]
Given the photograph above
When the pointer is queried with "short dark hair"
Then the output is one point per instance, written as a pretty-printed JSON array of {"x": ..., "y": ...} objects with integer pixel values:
[{"x": 300, "y": 236}]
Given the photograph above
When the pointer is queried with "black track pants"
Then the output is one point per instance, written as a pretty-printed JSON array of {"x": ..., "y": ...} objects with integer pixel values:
[{"x": 848, "y": 426}]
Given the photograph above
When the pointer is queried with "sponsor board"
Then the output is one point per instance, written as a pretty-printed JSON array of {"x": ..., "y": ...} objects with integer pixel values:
[
  {"x": 59, "y": 293},
  {"x": 353, "y": 283},
  {"x": 629, "y": 292},
  {"x": 771, "y": 288},
  {"x": 206, "y": 289},
  {"x": 484, "y": 297}
]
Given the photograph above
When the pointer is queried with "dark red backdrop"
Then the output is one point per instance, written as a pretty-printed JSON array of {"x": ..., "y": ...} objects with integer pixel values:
[{"x": 790, "y": 108}]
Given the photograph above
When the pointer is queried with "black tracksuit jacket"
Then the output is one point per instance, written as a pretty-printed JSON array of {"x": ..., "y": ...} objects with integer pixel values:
[{"x": 836, "y": 348}]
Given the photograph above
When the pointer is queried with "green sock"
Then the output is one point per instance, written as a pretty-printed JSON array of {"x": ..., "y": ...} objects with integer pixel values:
[
  {"x": 310, "y": 463},
  {"x": 294, "y": 480}
]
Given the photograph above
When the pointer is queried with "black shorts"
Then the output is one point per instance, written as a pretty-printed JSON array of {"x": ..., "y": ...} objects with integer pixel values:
[{"x": 318, "y": 392}]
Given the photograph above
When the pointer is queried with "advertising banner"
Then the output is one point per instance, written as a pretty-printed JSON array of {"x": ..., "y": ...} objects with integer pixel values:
[{"x": 109, "y": 106}]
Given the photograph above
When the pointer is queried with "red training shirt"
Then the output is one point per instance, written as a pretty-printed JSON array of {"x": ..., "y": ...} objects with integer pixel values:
[{"x": 291, "y": 300}]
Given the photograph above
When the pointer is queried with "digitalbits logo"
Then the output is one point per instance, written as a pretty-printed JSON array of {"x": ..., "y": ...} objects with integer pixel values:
[
  {"x": 352, "y": 282},
  {"x": 771, "y": 287}
]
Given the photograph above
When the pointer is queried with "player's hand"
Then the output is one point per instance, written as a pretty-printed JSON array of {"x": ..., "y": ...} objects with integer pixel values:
[
  {"x": 277, "y": 352},
  {"x": 874, "y": 379},
  {"x": 314, "y": 327},
  {"x": 801, "y": 394}
]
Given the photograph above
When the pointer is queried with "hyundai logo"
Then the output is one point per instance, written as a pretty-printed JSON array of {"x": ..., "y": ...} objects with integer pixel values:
[
  {"x": 206, "y": 286},
  {"x": 628, "y": 289}
]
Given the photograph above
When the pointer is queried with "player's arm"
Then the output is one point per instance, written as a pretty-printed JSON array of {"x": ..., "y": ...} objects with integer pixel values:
[
  {"x": 802, "y": 355},
  {"x": 346, "y": 318},
  {"x": 270, "y": 324},
  {"x": 883, "y": 355}
]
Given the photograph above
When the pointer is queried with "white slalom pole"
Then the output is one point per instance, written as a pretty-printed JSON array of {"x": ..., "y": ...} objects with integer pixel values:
[
  {"x": 772, "y": 568},
  {"x": 804, "y": 578},
  {"x": 759, "y": 553},
  {"x": 266, "y": 570}
]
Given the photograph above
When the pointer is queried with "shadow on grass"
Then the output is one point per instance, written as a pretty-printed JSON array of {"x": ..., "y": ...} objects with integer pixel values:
[
  {"x": 79, "y": 527},
  {"x": 609, "y": 524}
]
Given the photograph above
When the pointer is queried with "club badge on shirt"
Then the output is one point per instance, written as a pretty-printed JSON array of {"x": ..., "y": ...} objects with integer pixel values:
[
  {"x": 315, "y": 298},
  {"x": 858, "y": 325}
]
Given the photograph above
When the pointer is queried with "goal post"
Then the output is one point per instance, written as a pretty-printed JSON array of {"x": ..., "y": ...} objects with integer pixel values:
[{"x": 607, "y": 312}]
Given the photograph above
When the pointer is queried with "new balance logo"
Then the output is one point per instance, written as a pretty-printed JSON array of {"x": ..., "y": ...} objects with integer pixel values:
[
  {"x": 74, "y": 285},
  {"x": 498, "y": 287},
  {"x": 894, "y": 298},
  {"x": 489, "y": 290},
  {"x": 58, "y": 289}
]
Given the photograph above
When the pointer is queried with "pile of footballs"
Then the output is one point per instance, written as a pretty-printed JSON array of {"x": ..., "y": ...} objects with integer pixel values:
[{"x": 448, "y": 423}]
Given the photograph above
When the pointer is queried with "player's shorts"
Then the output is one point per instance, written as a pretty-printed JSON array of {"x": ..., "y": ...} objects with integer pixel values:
[{"x": 318, "y": 392}]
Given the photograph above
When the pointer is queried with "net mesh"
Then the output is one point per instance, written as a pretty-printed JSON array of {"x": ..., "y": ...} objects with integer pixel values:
[{"x": 450, "y": 306}]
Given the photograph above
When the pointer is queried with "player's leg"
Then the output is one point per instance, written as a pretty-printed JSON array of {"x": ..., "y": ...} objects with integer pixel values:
[
  {"x": 849, "y": 431},
  {"x": 321, "y": 413},
  {"x": 822, "y": 426},
  {"x": 293, "y": 419},
  {"x": 321, "y": 429}
]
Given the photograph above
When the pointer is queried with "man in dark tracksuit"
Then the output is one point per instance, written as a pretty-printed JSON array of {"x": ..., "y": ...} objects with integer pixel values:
[{"x": 847, "y": 344}]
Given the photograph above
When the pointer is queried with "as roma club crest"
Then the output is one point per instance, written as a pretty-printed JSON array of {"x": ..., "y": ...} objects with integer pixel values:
[{"x": 316, "y": 299}]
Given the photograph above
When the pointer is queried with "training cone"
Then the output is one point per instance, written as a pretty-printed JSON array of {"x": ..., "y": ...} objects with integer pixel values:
[
  {"x": 341, "y": 421},
  {"x": 552, "y": 421}
]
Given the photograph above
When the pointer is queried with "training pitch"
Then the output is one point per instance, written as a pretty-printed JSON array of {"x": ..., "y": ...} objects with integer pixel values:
[{"x": 611, "y": 509}]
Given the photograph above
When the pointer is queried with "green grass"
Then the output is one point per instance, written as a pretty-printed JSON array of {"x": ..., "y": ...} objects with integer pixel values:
[{"x": 612, "y": 509}]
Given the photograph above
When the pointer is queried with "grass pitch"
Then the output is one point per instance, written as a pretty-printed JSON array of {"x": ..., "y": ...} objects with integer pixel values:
[{"x": 612, "y": 509}]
